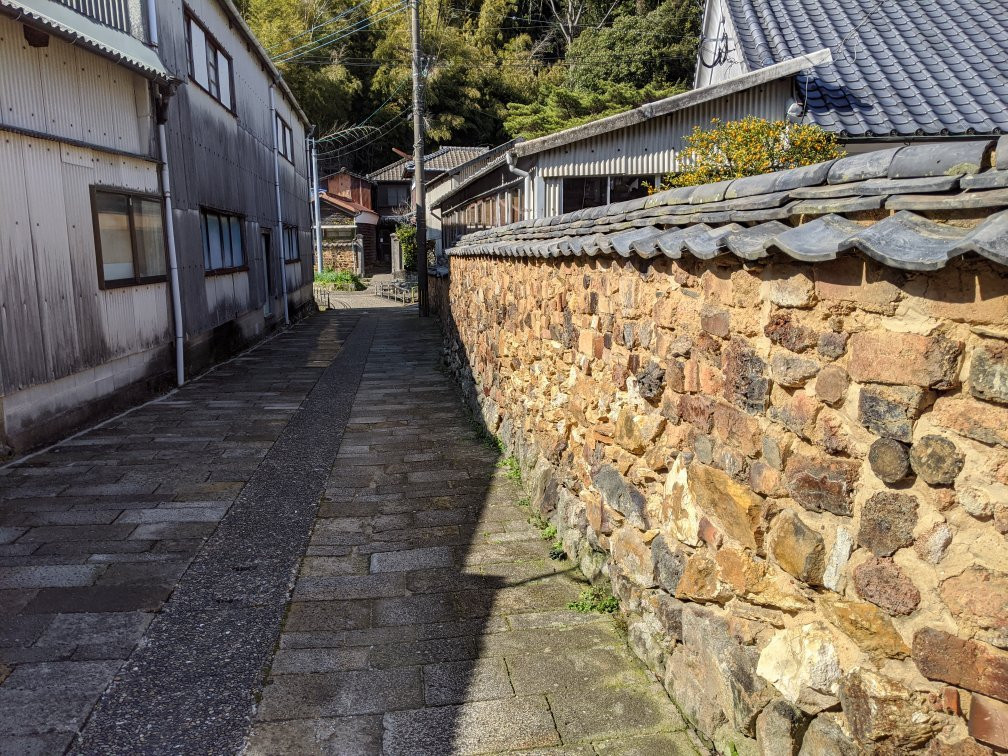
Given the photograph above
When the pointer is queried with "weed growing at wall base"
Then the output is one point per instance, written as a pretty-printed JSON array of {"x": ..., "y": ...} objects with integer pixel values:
[{"x": 594, "y": 599}]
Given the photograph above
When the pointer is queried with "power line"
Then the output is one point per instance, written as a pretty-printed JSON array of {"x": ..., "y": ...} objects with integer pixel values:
[
  {"x": 364, "y": 23},
  {"x": 380, "y": 131},
  {"x": 315, "y": 28}
]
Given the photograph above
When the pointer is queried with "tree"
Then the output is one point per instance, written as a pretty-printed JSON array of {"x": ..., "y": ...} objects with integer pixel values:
[
  {"x": 750, "y": 147},
  {"x": 560, "y": 107},
  {"x": 657, "y": 48}
]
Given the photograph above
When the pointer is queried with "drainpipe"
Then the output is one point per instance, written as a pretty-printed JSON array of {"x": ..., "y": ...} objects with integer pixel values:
[
  {"x": 527, "y": 203},
  {"x": 161, "y": 101},
  {"x": 276, "y": 184},
  {"x": 315, "y": 199}
]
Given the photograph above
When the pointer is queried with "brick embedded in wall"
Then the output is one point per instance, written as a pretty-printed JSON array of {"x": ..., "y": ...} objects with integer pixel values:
[{"x": 794, "y": 476}]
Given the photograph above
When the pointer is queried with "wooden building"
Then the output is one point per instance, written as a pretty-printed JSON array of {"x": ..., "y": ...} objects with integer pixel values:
[
  {"x": 346, "y": 204},
  {"x": 93, "y": 97}
]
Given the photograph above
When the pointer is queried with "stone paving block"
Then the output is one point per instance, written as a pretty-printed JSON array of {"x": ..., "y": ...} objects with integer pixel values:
[
  {"x": 133, "y": 573},
  {"x": 57, "y": 696},
  {"x": 327, "y": 616},
  {"x": 461, "y": 681},
  {"x": 316, "y": 660},
  {"x": 9, "y": 535},
  {"x": 36, "y": 745},
  {"x": 166, "y": 514},
  {"x": 99, "y": 598},
  {"x": 412, "y": 559},
  {"x": 543, "y": 671},
  {"x": 334, "y": 566},
  {"x": 49, "y": 576},
  {"x": 65, "y": 533},
  {"x": 340, "y": 693},
  {"x": 107, "y": 632},
  {"x": 659, "y": 744},
  {"x": 474, "y": 727},
  {"x": 600, "y": 710},
  {"x": 345, "y": 736},
  {"x": 348, "y": 587},
  {"x": 423, "y": 651},
  {"x": 173, "y": 530}
]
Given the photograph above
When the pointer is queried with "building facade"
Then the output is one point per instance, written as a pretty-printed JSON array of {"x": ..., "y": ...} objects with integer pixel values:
[{"x": 94, "y": 96}]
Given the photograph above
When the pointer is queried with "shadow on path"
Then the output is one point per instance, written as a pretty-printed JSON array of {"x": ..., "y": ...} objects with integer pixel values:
[{"x": 428, "y": 616}]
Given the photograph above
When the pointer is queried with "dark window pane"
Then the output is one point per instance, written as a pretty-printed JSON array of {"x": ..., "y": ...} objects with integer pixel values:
[{"x": 236, "y": 242}]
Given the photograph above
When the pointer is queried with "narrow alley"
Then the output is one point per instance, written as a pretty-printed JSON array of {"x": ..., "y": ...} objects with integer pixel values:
[{"x": 310, "y": 549}]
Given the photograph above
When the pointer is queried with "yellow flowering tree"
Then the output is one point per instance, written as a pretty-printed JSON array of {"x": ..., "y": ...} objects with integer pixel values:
[{"x": 750, "y": 147}]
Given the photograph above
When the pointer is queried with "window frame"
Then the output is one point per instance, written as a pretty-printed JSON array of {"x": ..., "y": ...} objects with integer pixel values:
[
  {"x": 285, "y": 229},
  {"x": 211, "y": 42},
  {"x": 205, "y": 210},
  {"x": 284, "y": 139},
  {"x": 137, "y": 280}
]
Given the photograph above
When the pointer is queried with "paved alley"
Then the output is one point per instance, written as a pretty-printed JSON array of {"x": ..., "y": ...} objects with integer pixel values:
[{"x": 308, "y": 550}]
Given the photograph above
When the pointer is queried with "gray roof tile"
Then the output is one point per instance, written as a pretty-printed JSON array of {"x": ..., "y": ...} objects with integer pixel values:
[
  {"x": 905, "y": 68},
  {"x": 803, "y": 222}
]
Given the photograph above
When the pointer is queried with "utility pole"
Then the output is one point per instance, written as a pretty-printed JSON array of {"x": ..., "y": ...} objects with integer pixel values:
[{"x": 419, "y": 197}]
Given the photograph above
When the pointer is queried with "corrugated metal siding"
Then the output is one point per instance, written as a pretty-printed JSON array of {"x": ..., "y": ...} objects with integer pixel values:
[
  {"x": 54, "y": 320},
  {"x": 224, "y": 160},
  {"x": 69, "y": 92},
  {"x": 652, "y": 147}
]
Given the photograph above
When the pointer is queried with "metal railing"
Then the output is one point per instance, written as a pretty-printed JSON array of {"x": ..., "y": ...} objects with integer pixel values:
[
  {"x": 407, "y": 293},
  {"x": 124, "y": 15}
]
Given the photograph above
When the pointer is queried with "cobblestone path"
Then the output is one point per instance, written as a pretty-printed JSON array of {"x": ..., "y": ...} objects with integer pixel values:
[{"x": 146, "y": 570}]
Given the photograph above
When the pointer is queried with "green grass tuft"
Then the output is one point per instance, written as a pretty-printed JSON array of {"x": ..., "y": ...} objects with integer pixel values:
[
  {"x": 557, "y": 551},
  {"x": 510, "y": 464},
  {"x": 341, "y": 279},
  {"x": 595, "y": 599}
]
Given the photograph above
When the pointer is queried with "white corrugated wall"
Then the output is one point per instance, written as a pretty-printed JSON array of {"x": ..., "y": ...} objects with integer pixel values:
[{"x": 652, "y": 147}]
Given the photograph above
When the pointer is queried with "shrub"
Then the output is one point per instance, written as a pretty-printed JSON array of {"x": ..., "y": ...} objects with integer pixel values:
[
  {"x": 750, "y": 147},
  {"x": 341, "y": 279},
  {"x": 406, "y": 234}
]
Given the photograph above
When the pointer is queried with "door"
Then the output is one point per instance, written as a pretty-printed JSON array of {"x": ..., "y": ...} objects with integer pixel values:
[{"x": 269, "y": 279}]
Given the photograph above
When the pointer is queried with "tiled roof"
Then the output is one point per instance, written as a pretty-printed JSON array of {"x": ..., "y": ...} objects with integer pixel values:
[
  {"x": 799, "y": 212},
  {"x": 913, "y": 67},
  {"x": 342, "y": 203},
  {"x": 442, "y": 159}
]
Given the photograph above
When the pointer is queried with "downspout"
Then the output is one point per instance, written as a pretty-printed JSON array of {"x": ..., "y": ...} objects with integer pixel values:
[
  {"x": 315, "y": 200},
  {"x": 276, "y": 184},
  {"x": 161, "y": 99},
  {"x": 527, "y": 203}
]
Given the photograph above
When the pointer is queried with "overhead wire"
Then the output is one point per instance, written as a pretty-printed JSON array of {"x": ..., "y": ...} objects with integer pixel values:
[
  {"x": 339, "y": 34},
  {"x": 316, "y": 27}
]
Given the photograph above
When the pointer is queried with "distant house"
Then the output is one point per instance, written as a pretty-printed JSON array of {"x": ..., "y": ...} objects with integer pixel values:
[
  {"x": 133, "y": 134},
  {"x": 607, "y": 160},
  {"x": 346, "y": 202},
  {"x": 872, "y": 73},
  {"x": 902, "y": 71},
  {"x": 394, "y": 189}
]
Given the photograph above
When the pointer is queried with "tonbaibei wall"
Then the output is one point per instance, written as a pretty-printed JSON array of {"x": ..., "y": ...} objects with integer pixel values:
[{"x": 793, "y": 469}]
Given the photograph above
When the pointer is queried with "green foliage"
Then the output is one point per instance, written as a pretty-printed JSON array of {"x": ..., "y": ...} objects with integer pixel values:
[
  {"x": 510, "y": 464},
  {"x": 595, "y": 599},
  {"x": 341, "y": 279},
  {"x": 406, "y": 234},
  {"x": 495, "y": 68},
  {"x": 750, "y": 147},
  {"x": 560, "y": 107},
  {"x": 557, "y": 552},
  {"x": 653, "y": 49}
]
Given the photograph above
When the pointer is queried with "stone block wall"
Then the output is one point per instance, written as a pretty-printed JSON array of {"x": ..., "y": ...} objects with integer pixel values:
[
  {"x": 794, "y": 477},
  {"x": 338, "y": 256}
]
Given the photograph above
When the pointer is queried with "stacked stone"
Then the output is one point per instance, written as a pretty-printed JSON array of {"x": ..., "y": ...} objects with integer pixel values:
[
  {"x": 338, "y": 256},
  {"x": 795, "y": 477}
]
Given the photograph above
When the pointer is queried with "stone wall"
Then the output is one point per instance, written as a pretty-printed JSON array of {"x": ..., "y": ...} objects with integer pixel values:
[
  {"x": 338, "y": 256},
  {"x": 794, "y": 476}
]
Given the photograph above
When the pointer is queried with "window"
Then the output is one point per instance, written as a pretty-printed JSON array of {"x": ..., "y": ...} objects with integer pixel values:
[
  {"x": 285, "y": 139},
  {"x": 393, "y": 195},
  {"x": 129, "y": 237},
  {"x": 291, "y": 250},
  {"x": 223, "y": 251},
  {"x": 209, "y": 65}
]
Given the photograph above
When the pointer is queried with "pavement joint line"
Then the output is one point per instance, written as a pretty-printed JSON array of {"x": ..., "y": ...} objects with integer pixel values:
[{"x": 192, "y": 682}]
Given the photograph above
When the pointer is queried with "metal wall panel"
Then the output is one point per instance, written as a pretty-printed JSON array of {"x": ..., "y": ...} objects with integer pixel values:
[
  {"x": 652, "y": 147},
  {"x": 54, "y": 320},
  {"x": 69, "y": 92}
]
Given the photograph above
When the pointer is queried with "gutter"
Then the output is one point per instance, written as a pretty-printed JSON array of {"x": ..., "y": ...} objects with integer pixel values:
[{"x": 162, "y": 97}]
